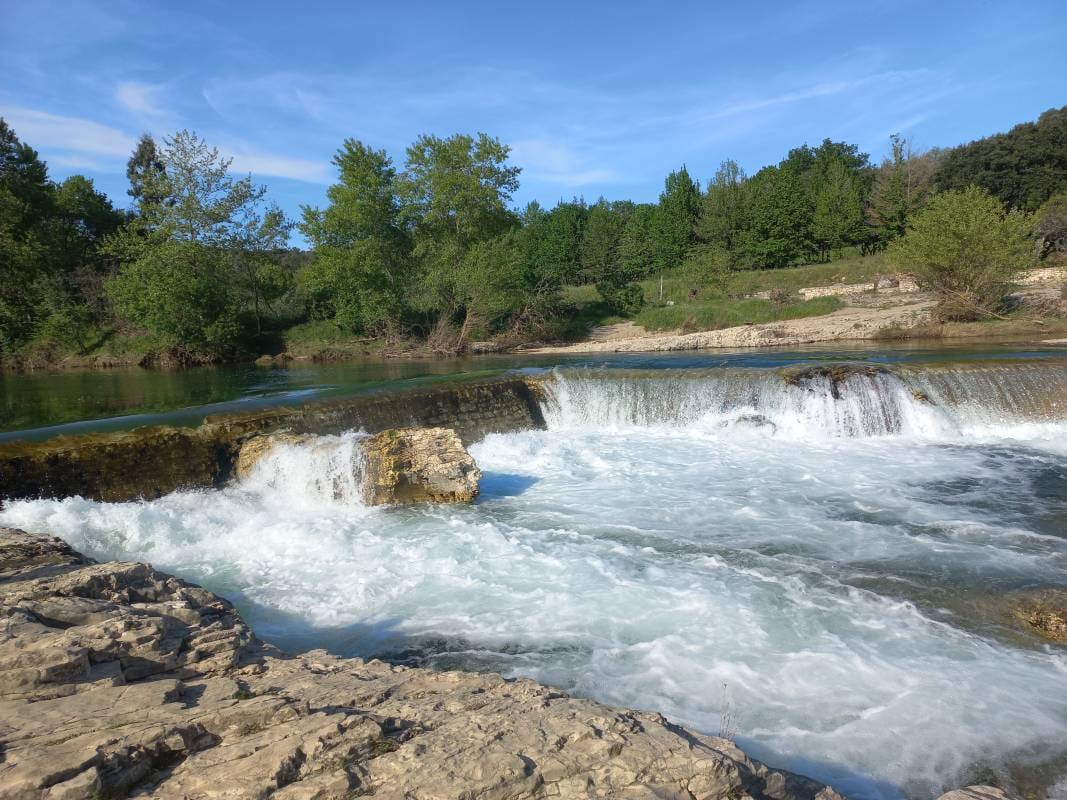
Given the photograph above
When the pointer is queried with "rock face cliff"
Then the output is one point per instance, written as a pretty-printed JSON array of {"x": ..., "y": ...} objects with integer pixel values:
[{"x": 117, "y": 680}]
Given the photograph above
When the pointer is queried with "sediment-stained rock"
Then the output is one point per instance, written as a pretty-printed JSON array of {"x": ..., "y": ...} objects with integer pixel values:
[
  {"x": 1044, "y": 612},
  {"x": 417, "y": 465},
  {"x": 117, "y": 680}
]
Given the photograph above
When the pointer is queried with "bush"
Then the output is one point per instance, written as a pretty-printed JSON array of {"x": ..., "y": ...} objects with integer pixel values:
[
  {"x": 627, "y": 299},
  {"x": 967, "y": 249}
]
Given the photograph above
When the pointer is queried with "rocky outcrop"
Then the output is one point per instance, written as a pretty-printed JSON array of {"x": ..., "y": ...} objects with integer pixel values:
[
  {"x": 834, "y": 374},
  {"x": 117, "y": 680},
  {"x": 418, "y": 465},
  {"x": 150, "y": 462}
]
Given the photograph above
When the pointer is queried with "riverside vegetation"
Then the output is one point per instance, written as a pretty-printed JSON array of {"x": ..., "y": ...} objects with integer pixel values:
[{"x": 432, "y": 256}]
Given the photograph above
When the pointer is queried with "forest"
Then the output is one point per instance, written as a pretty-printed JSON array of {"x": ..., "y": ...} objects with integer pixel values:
[{"x": 198, "y": 266}]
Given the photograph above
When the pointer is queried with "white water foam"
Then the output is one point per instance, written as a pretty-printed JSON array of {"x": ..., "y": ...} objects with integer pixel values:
[{"x": 826, "y": 579}]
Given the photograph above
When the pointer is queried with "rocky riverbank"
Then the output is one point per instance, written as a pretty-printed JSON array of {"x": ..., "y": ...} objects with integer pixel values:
[{"x": 117, "y": 680}]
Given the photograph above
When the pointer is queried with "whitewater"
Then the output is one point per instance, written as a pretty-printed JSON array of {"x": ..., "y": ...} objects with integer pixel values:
[{"x": 813, "y": 562}]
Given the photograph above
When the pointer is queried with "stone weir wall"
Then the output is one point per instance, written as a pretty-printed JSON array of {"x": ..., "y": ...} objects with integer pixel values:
[{"x": 152, "y": 461}]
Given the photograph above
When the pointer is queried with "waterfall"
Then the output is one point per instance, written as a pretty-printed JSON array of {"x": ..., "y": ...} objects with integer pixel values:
[
  {"x": 326, "y": 469},
  {"x": 825, "y": 401}
]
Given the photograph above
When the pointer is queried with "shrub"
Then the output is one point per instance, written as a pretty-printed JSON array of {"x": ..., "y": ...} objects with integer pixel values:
[{"x": 967, "y": 249}]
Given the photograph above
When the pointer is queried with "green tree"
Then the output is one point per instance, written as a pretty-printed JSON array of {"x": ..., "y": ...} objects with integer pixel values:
[
  {"x": 145, "y": 172},
  {"x": 672, "y": 227},
  {"x": 967, "y": 249},
  {"x": 777, "y": 229},
  {"x": 636, "y": 253},
  {"x": 838, "y": 217},
  {"x": 1022, "y": 168},
  {"x": 902, "y": 185},
  {"x": 723, "y": 208},
  {"x": 455, "y": 194},
  {"x": 361, "y": 269},
  {"x": 604, "y": 226},
  {"x": 184, "y": 257}
]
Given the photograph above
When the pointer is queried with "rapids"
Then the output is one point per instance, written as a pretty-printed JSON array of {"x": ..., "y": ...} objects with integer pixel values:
[{"x": 811, "y": 562}]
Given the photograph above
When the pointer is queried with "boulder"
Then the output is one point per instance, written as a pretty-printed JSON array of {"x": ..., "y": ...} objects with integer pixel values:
[
  {"x": 120, "y": 681},
  {"x": 253, "y": 450},
  {"x": 417, "y": 465}
]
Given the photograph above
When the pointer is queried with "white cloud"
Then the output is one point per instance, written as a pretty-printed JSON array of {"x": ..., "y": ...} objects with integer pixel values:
[
  {"x": 139, "y": 98},
  {"x": 278, "y": 166},
  {"x": 553, "y": 162},
  {"x": 49, "y": 131}
]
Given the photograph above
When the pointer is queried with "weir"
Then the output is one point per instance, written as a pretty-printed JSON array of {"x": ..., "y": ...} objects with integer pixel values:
[
  {"x": 827, "y": 400},
  {"x": 153, "y": 461}
]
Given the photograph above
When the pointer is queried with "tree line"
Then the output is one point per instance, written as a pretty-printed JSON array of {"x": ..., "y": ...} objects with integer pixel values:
[{"x": 199, "y": 262}]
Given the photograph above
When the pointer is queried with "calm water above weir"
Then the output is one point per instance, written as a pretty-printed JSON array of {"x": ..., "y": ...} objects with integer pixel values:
[{"x": 831, "y": 560}]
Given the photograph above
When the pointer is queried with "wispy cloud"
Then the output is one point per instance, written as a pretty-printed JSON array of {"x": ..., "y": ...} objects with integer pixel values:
[
  {"x": 67, "y": 134},
  {"x": 280, "y": 166},
  {"x": 140, "y": 99},
  {"x": 554, "y": 162}
]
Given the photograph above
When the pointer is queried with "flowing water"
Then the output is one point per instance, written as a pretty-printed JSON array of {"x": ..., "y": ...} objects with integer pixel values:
[{"x": 813, "y": 561}]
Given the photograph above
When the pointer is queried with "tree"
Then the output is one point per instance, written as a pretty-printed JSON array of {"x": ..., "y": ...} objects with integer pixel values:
[
  {"x": 455, "y": 194},
  {"x": 145, "y": 172},
  {"x": 777, "y": 224},
  {"x": 604, "y": 225},
  {"x": 838, "y": 217},
  {"x": 674, "y": 219},
  {"x": 902, "y": 185},
  {"x": 636, "y": 253},
  {"x": 360, "y": 273},
  {"x": 967, "y": 249},
  {"x": 184, "y": 258},
  {"x": 722, "y": 211},
  {"x": 1022, "y": 168}
]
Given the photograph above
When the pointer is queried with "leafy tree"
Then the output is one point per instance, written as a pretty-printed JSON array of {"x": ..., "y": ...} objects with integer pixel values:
[
  {"x": 902, "y": 185},
  {"x": 184, "y": 258},
  {"x": 967, "y": 249},
  {"x": 455, "y": 194},
  {"x": 560, "y": 246},
  {"x": 1022, "y": 168},
  {"x": 1051, "y": 225},
  {"x": 723, "y": 209},
  {"x": 360, "y": 274},
  {"x": 636, "y": 253},
  {"x": 674, "y": 219},
  {"x": 838, "y": 216},
  {"x": 604, "y": 226},
  {"x": 777, "y": 225}
]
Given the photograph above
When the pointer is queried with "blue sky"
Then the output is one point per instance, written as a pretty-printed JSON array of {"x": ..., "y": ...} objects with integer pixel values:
[{"x": 594, "y": 98}]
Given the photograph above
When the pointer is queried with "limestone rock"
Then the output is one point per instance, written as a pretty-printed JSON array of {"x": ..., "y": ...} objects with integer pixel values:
[
  {"x": 117, "y": 680},
  {"x": 253, "y": 450},
  {"x": 1044, "y": 611},
  {"x": 413, "y": 465}
]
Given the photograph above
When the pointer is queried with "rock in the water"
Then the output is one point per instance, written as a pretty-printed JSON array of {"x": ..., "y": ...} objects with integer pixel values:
[
  {"x": 416, "y": 465},
  {"x": 253, "y": 450},
  {"x": 1044, "y": 611},
  {"x": 120, "y": 681}
]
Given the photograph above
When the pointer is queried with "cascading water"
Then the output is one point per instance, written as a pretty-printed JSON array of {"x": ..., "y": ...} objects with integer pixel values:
[
  {"x": 832, "y": 547},
  {"x": 808, "y": 404}
]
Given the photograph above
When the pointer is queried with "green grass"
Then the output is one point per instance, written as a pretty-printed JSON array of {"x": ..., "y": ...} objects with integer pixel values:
[
  {"x": 722, "y": 312},
  {"x": 711, "y": 310}
]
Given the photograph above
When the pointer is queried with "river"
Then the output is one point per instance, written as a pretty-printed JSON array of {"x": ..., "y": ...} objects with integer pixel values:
[{"x": 815, "y": 566}]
